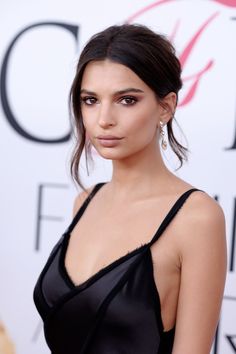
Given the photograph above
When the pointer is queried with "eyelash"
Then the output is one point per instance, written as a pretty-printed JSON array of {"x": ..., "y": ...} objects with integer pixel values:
[
  {"x": 86, "y": 98},
  {"x": 134, "y": 99}
]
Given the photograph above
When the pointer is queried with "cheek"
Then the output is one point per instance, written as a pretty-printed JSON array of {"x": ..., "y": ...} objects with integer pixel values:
[
  {"x": 88, "y": 122},
  {"x": 143, "y": 124}
]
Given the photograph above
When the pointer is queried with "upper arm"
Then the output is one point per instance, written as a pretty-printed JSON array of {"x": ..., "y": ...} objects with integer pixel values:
[
  {"x": 203, "y": 271},
  {"x": 79, "y": 200}
]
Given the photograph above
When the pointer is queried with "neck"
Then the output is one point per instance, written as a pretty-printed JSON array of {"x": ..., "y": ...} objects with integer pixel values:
[{"x": 140, "y": 175}]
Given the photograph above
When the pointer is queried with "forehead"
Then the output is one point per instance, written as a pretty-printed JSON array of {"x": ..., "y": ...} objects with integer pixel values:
[{"x": 109, "y": 74}]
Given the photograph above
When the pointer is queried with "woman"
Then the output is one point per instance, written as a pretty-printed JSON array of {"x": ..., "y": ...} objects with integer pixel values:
[{"x": 135, "y": 274}]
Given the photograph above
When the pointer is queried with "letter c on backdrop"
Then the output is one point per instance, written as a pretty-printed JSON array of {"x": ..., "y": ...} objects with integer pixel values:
[{"x": 3, "y": 86}]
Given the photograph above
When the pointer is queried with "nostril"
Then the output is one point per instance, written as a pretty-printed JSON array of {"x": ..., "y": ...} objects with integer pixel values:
[{"x": 106, "y": 123}]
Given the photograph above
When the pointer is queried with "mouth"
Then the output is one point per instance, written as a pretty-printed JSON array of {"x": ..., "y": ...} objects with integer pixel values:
[
  {"x": 108, "y": 137},
  {"x": 109, "y": 141}
]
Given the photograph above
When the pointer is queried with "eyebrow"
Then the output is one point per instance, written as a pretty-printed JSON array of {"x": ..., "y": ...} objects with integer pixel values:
[{"x": 120, "y": 92}]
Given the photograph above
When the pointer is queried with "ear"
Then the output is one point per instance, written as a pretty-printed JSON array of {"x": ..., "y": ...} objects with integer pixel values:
[{"x": 168, "y": 105}]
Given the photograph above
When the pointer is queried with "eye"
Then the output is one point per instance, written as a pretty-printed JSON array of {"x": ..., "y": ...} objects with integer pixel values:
[
  {"x": 128, "y": 100},
  {"x": 88, "y": 100}
]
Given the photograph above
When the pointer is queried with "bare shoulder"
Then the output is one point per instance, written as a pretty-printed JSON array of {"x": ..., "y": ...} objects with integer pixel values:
[
  {"x": 204, "y": 209},
  {"x": 204, "y": 222},
  {"x": 80, "y": 198},
  {"x": 200, "y": 208}
]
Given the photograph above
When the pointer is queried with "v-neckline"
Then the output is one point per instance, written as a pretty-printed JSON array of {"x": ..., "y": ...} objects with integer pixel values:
[{"x": 97, "y": 275}]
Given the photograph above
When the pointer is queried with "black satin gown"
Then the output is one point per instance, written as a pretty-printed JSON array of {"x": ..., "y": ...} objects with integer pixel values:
[{"x": 115, "y": 311}]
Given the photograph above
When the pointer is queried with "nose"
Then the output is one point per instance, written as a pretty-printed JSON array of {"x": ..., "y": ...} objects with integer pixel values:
[{"x": 106, "y": 115}]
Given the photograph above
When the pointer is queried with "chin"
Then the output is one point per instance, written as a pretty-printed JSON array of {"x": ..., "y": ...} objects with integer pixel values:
[
  {"x": 114, "y": 155},
  {"x": 109, "y": 155}
]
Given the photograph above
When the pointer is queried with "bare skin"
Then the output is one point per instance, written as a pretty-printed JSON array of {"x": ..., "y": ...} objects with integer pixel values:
[
  {"x": 6, "y": 345},
  {"x": 190, "y": 257}
]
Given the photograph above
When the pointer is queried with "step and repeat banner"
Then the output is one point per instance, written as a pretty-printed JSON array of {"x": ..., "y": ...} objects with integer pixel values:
[{"x": 39, "y": 47}]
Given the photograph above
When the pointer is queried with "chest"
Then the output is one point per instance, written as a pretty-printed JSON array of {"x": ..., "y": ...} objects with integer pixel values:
[{"x": 104, "y": 235}]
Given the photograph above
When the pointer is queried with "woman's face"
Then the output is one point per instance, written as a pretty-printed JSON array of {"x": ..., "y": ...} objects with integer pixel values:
[{"x": 116, "y": 102}]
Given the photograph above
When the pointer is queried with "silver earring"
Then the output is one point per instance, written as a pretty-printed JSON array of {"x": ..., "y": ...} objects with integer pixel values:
[
  {"x": 163, "y": 141},
  {"x": 87, "y": 148}
]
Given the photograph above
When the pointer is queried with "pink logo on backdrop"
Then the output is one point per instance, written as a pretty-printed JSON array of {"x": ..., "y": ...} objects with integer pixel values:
[
  {"x": 198, "y": 74},
  {"x": 230, "y": 3}
]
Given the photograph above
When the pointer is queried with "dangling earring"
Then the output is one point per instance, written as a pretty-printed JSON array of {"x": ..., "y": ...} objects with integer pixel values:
[
  {"x": 87, "y": 149},
  {"x": 163, "y": 141}
]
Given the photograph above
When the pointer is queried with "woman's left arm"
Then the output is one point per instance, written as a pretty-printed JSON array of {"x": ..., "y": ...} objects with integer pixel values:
[{"x": 202, "y": 250}]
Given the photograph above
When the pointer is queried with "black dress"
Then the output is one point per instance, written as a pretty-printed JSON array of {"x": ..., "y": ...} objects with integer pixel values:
[{"x": 116, "y": 311}]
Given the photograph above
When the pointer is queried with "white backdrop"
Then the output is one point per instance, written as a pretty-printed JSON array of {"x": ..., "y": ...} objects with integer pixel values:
[{"x": 37, "y": 194}]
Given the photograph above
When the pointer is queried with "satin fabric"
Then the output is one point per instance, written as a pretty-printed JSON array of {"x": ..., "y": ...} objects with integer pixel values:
[{"x": 115, "y": 311}]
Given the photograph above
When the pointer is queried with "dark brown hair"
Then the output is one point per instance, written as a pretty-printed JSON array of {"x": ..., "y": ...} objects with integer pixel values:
[{"x": 150, "y": 55}]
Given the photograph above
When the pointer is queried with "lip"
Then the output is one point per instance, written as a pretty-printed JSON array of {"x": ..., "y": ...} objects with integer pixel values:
[
  {"x": 108, "y": 137},
  {"x": 109, "y": 140}
]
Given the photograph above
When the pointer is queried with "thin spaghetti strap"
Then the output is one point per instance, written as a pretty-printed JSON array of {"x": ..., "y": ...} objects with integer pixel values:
[
  {"x": 84, "y": 206},
  {"x": 171, "y": 214}
]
